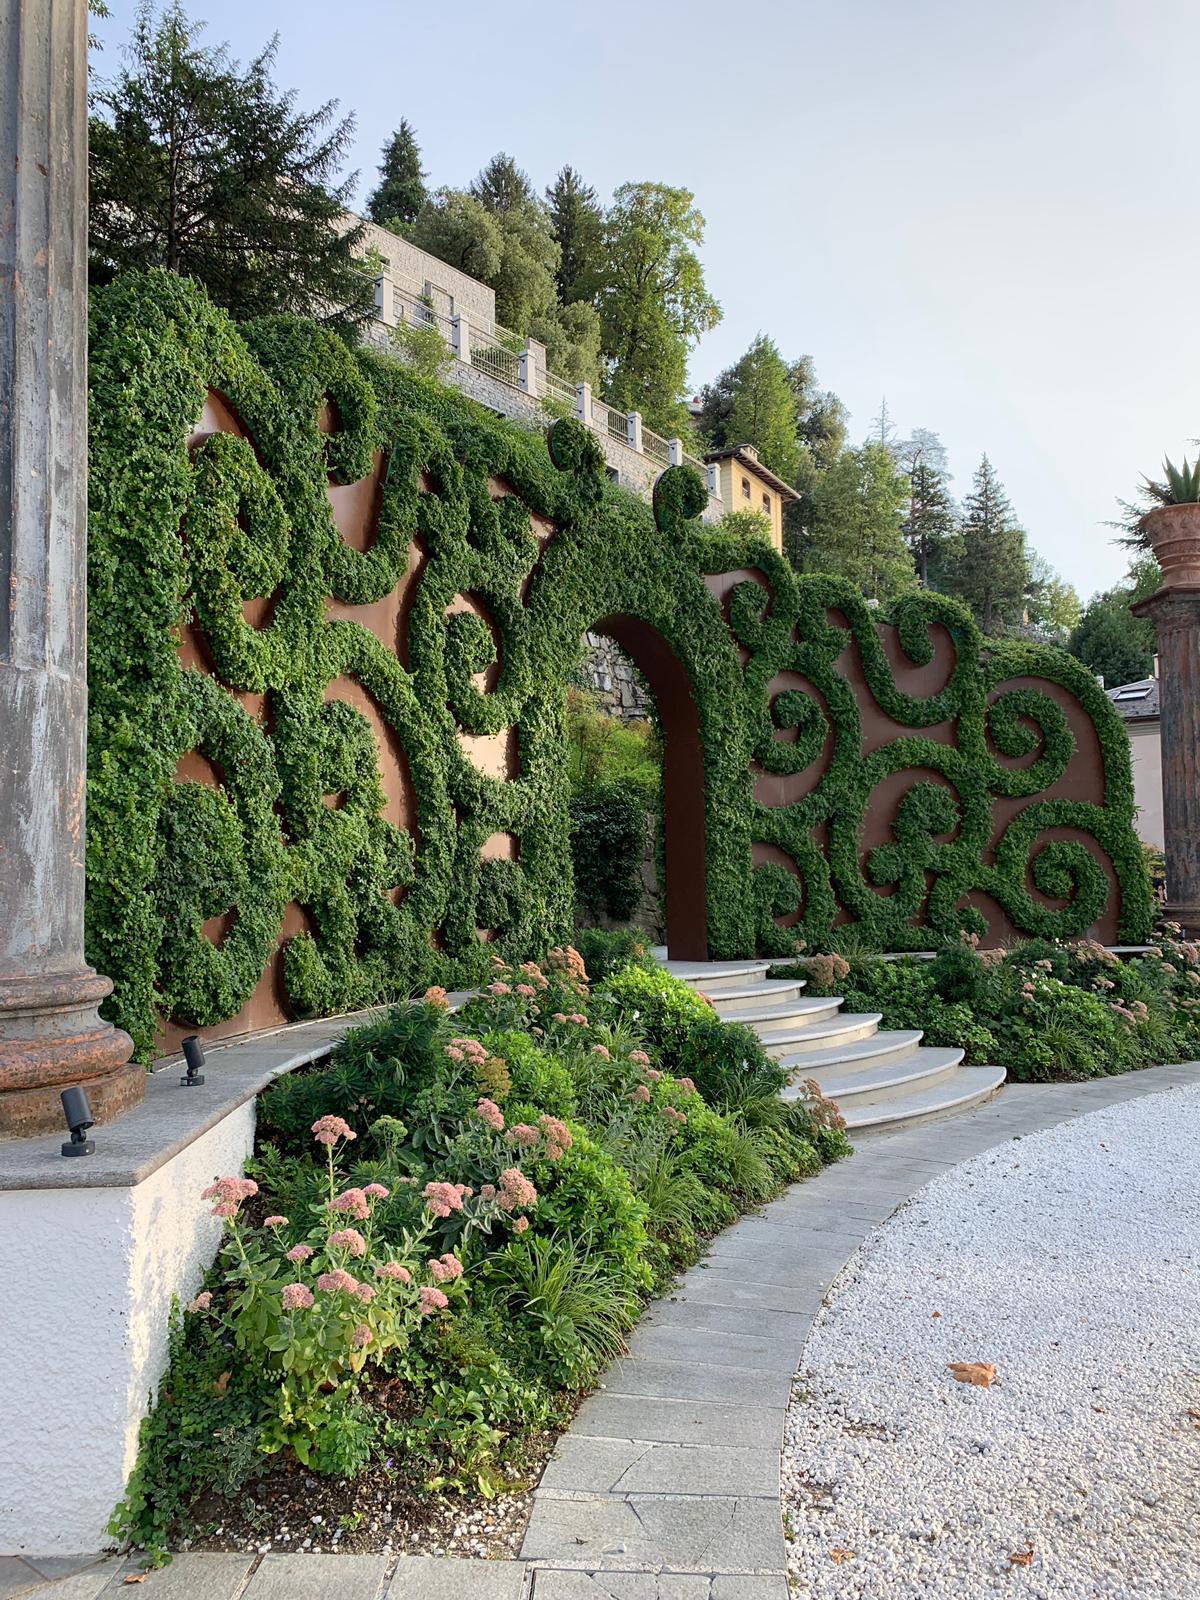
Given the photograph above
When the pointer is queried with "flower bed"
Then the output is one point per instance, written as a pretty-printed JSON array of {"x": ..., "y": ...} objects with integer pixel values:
[
  {"x": 443, "y": 1239},
  {"x": 1045, "y": 1011}
]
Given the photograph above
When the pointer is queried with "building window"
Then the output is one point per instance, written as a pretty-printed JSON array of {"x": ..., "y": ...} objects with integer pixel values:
[
  {"x": 745, "y": 488},
  {"x": 767, "y": 504}
]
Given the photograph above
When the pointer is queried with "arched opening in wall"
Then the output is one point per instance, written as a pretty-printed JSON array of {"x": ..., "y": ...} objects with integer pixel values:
[{"x": 613, "y": 647}]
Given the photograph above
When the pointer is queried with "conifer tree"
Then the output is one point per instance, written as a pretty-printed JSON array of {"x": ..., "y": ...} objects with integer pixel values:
[
  {"x": 991, "y": 570},
  {"x": 576, "y": 221},
  {"x": 931, "y": 527},
  {"x": 753, "y": 402},
  {"x": 400, "y": 193}
]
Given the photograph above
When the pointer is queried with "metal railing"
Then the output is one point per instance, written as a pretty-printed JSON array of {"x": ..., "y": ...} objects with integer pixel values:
[{"x": 497, "y": 352}]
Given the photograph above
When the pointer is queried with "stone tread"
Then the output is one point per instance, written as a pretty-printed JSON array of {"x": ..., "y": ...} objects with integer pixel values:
[
  {"x": 770, "y": 989},
  {"x": 883, "y": 1081},
  {"x": 886, "y": 1044},
  {"x": 965, "y": 1088},
  {"x": 816, "y": 1006},
  {"x": 848, "y": 1025}
]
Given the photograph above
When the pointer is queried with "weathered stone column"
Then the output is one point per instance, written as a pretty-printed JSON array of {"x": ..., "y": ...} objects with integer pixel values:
[
  {"x": 1175, "y": 612},
  {"x": 50, "y": 1032}
]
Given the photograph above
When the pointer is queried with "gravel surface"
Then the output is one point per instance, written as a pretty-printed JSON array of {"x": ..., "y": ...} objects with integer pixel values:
[{"x": 1069, "y": 1260}]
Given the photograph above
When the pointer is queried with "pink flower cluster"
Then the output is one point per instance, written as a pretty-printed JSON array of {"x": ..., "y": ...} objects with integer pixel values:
[
  {"x": 498, "y": 989},
  {"x": 338, "y": 1279},
  {"x": 274, "y": 1222},
  {"x": 443, "y": 1198},
  {"x": 639, "y": 1058},
  {"x": 348, "y": 1239},
  {"x": 672, "y": 1115},
  {"x": 328, "y": 1130},
  {"x": 352, "y": 1201},
  {"x": 569, "y": 963},
  {"x": 362, "y": 1336},
  {"x": 687, "y": 1085},
  {"x": 200, "y": 1303},
  {"x": 432, "y": 1300},
  {"x": 522, "y": 1134},
  {"x": 601, "y": 1051},
  {"x": 467, "y": 1050},
  {"x": 300, "y": 1252},
  {"x": 515, "y": 1191},
  {"x": 297, "y": 1297},
  {"x": 437, "y": 997},
  {"x": 488, "y": 1111},
  {"x": 535, "y": 974},
  {"x": 393, "y": 1269},
  {"x": 557, "y": 1136},
  {"x": 526, "y": 991},
  {"x": 445, "y": 1268},
  {"x": 1136, "y": 1011},
  {"x": 641, "y": 1094},
  {"x": 229, "y": 1194}
]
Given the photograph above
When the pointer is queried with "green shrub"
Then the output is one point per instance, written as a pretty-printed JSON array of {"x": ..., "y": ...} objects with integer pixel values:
[{"x": 608, "y": 833}]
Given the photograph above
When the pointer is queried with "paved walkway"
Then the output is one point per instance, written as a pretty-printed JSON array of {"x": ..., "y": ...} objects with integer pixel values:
[{"x": 666, "y": 1487}]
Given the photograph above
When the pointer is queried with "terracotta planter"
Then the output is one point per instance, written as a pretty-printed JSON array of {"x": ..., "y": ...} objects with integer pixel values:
[{"x": 1174, "y": 535}]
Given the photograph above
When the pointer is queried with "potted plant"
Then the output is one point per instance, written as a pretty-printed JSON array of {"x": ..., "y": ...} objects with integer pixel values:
[{"x": 1172, "y": 527}]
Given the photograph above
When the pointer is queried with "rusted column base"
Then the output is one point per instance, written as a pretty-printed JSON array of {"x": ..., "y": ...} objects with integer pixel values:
[
  {"x": 51, "y": 1036},
  {"x": 1175, "y": 612}
]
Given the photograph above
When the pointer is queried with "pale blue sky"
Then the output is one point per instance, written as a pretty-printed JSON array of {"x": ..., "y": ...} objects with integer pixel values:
[{"x": 985, "y": 212}]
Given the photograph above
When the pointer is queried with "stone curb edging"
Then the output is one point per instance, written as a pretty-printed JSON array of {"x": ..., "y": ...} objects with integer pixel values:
[{"x": 666, "y": 1485}]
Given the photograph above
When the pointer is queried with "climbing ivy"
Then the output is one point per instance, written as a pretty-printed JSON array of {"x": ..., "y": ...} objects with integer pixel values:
[{"x": 185, "y": 538}]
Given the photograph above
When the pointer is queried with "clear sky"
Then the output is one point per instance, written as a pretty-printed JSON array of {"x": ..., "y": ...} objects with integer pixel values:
[{"x": 984, "y": 210}]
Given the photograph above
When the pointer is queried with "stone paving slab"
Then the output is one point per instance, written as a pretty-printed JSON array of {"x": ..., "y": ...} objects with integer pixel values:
[
  {"x": 636, "y": 1466},
  {"x": 452, "y": 1578},
  {"x": 618, "y": 1416},
  {"x": 558, "y": 1585},
  {"x": 693, "y": 1380},
  {"x": 799, "y": 1298},
  {"x": 313, "y": 1577},
  {"x": 701, "y": 1533},
  {"x": 192, "y": 1575},
  {"x": 681, "y": 1311},
  {"x": 748, "y": 1351}
]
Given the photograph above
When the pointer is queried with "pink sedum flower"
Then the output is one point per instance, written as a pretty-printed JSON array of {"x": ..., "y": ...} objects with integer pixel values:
[
  {"x": 639, "y": 1058},
  {"x": 353, "y": 1202},
  {"x": 229, "y": 1194},
  {"x": 297, "y": 1297},
  {"x": 557, "y": 1136},
  {"x": 362, "y": 1336},
  {"x": 641, "y": 1094},
  {"x": 432, "y": 1300},
  {"x": 437, "y": 997},
  {"x": 393, "y": 1269},
  {"x": 339, "y": 1279},
  {"x": 488, "y": 1111},
  {"x": 446, "y": 1269},
  {"x": 516, "y": 1191},
  {"x": 520, "y": 1224},
  {"x": 687, "y": 1085},
  {"x": 523, "y": 1135},
  {"x": 601, "y": 1051},
  {"x": 443, "y": 1198},
  {"x": 365, "y": 1292},
  {"x": 274, "y": 1222},
  {"x": 200, "y": 1303},
  {"x": 498, "y": 989},
  {"x": 328, "y": 1130},
  {"x": 453, "y": 1052},
  {"x": 348, "y": 1239},
  {"x": 300, "y": 1252},
  {"x": 376, "y": 1191}
]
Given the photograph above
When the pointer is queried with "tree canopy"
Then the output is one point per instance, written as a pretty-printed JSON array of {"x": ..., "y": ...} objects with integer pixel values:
[
  {"x": 754, "y": 402},
  {"x": 990, "y": 572},
  {"x": 400, "y": 193},
  {"x": 202, "y": 166},
  {"x": 577, "y": 223},
  {"x": 1118, "y": 646}
]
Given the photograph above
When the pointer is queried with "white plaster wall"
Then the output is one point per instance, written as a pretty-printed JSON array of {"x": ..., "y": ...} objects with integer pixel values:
[
  {"x": 87, "y": 1278},
  {"x": 1146, "y": 749}
]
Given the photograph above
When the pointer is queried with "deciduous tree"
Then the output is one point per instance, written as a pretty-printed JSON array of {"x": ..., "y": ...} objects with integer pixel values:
[{"x": 1118, "y": 646}]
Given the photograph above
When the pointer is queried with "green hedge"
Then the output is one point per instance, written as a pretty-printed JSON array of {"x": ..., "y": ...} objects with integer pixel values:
[{"x": 298, "y": 815}]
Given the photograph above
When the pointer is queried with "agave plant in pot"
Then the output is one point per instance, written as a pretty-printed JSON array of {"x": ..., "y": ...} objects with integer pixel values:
[{"x": 1171, "y": 527}]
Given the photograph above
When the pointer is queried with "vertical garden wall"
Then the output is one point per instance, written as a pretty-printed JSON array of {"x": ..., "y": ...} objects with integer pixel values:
[{"x": 334, "y": 608}]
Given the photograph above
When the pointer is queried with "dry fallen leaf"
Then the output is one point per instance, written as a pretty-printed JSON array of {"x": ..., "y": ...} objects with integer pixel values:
[
  {"x": 937, "y": 1313},
  {"x": 222, "y": 1382},
  {"x": 1022, "y": 1558},
  {"x": 840, "y": 1554},
  {"x": 980, "y": 1373},
  {"x": 136, "y": 1577}
]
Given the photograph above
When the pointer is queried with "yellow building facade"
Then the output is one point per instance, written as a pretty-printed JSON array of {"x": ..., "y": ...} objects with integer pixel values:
[{"x": 745, "y": 484}]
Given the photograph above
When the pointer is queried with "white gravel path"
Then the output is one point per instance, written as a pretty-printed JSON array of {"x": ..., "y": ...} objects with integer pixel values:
[{"x": 1071, "y": 1260}]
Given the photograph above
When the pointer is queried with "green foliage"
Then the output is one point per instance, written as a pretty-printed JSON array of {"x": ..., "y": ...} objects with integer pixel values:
[
  {"x": 460, "y": 230},
  {"x": 605, "y": 949},
  {"x": 854, "y": 524},
  {"x": 990, "y": 572},
  {"x": 653, "y": 301},
  {"x": 299, "y": 813},
  {"x": 755, "y": 402},
  {"x": 1109, "y": 638},
  {"x": 399, "y": 195},
  {"x": 422, "y": 347},
  {"x": 577, "y": 222},
  {"x": 204, "y": 167},
  {"x": 608, "y": 830}
]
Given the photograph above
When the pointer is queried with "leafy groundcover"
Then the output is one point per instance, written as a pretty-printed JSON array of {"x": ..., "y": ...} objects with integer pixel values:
[
  {"x": 1046, "y": 1011},
  {"x": 444, "y": 1237}
]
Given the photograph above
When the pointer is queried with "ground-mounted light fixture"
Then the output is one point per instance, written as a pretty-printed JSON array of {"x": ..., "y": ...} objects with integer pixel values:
[
  {"x": 193, "y": 1054},
  {"x": 78, "y": 1113}
]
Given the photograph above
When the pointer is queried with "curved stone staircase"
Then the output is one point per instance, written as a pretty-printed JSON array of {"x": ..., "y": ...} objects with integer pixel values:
[{"x": 879, "y": 1078}]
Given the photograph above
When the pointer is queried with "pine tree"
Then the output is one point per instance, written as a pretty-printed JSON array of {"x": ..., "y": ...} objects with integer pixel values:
[
  {"x": 400, "y": 193},
  {"x": 753, "y": 402},
  {"x": 576, "y": 221},
  {"x": 205, "y": 168},
  {"x": 931, "y": 527},
  {"x": 991, "y": 569}
]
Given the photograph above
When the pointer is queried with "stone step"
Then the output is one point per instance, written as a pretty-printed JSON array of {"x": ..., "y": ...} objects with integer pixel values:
[
  {"x": 734, "y": 1003},
  {"x": 839, "y": 1028},
  {"x": 921, "y": 1069},
  {"x": 887, "y": 1045},
  {"x": 768, "y": 1021},
  {"x": 964, "y": 1088},
  {"x": 709, "y": 975}
]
